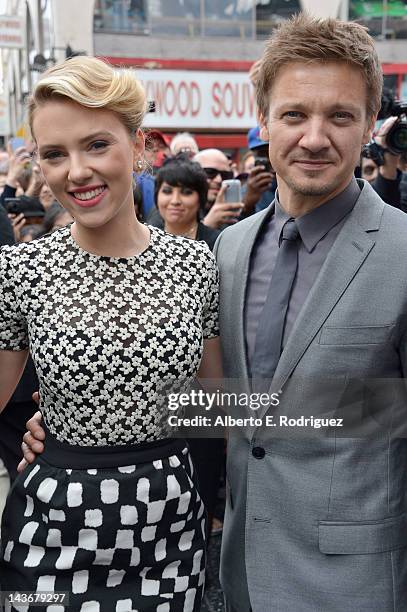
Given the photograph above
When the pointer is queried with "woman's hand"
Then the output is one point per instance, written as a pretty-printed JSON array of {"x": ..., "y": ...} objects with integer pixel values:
[
  {"x": 211, "y": 362},
  {"x": 33, "y": 441}
]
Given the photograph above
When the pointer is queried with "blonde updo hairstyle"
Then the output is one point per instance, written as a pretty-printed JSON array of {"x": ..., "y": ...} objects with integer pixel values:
[{"x": 92, "y": 83}]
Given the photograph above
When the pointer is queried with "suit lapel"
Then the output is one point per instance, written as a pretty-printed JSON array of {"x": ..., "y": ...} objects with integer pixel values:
[{"x": 241, "y": 273}]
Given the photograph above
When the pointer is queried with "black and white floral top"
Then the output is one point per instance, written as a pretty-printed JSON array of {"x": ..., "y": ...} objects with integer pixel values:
[{"x": 109, "y": 336}]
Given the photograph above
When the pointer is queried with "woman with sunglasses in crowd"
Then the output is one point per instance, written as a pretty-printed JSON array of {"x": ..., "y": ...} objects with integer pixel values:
[{"x": 116, "y": 315}]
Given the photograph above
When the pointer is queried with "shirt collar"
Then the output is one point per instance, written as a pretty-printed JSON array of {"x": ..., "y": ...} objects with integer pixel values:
[
  {"x": 280, "y": 218},
  {"x": 318, "y": 222}
]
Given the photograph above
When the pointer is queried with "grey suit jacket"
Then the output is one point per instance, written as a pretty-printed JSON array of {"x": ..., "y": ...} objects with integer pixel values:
[{"x": 320, "y": 523}]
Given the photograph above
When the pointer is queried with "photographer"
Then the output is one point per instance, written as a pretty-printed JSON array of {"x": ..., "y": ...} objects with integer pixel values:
[
  {"x": 387, "y": 182},
  {"x": 19, "y": 172},
  {"x": 368, "y": 169},
  {"x": 388, "y": 149},
  {"x": 219, "y": 213},
  {"x": 261, "y": 185},
  {"x": 24, "y": 182}
]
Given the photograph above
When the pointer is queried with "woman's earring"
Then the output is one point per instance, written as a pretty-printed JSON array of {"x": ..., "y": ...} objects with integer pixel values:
[{"x": 139, "y": 164}]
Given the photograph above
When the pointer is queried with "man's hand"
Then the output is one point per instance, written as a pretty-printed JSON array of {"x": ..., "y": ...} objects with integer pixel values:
[
  {"x": 258, "y": 182},
  {"x": 391, "y": 160},
  {"x": 18, "y": 161},
  {"x": 223, "y": 213},
  {"x": 36, "y": 182},
  {"x": 17, "y": 222},
  {"x": 33, "y": 438}
]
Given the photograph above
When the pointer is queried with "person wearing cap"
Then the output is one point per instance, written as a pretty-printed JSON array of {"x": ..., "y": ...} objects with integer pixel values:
[
  {"x": 157, "y": 147},
  {"x": 261, "y": 185}
]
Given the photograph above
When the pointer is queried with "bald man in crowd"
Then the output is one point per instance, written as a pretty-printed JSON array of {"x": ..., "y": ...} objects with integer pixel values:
[{"x": 217, "y": 168}]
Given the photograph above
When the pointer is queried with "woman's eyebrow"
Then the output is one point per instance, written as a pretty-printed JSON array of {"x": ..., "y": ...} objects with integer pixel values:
[{"x": 99, "y": 134}]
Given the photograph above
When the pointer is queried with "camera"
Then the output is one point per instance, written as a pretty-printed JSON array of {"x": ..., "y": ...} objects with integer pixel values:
[
  {"x": 396, "y": 139},
  {"x": 263, "y": 161},
  {"x": 13, "y": 206},
  {"x": 31, "y": 208}
]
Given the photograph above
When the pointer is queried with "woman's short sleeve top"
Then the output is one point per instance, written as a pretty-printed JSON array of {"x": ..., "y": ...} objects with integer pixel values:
[{"x": 110, "y": 337}]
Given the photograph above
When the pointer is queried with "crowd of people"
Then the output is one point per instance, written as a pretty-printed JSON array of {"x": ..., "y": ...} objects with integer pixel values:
[
  {"x": 39, "y": 212},
  {"x": 110, "y": 297}
]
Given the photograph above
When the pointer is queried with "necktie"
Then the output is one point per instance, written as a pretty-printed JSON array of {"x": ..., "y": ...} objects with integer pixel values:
[{"x": 269, "y": 337}]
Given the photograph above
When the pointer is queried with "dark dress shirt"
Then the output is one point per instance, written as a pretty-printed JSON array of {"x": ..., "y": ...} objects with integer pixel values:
[{"x": 318, "y": 230}]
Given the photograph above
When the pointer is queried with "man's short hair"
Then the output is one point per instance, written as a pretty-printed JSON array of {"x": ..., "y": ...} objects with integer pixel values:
[{"x": 304, "y": 38}]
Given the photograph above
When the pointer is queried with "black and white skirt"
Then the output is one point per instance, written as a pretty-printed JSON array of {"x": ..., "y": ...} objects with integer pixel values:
[{"x": 117, "y": 528}]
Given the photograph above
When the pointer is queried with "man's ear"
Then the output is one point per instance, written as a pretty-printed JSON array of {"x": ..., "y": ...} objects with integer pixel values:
[{"x": 370, "y": 124}]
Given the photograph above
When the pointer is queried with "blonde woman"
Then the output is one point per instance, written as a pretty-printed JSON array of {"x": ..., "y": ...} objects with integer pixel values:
[{"x": 109, "y": 512}]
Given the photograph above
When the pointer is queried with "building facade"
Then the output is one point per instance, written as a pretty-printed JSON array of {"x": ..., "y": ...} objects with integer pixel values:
[{"x": 193, "y": 56}]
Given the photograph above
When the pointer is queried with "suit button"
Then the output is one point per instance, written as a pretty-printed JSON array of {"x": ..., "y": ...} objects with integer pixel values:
[{"x": 258, "y": 452}]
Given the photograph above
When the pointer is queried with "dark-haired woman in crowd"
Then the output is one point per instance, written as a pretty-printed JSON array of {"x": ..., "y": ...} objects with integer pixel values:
[{"x": 181, "y": 189}]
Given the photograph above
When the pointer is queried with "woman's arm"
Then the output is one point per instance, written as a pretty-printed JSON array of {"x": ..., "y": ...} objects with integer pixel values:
[
  {"x": 211, "y": 362},
  {"x": 12, "y": 364},
  {"x": 210, "y": 373}
]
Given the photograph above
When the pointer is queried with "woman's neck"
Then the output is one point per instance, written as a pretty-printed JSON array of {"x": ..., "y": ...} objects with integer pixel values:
[
  {"x": 188, "y": 230},
  {"x": 122, "y": 236}
]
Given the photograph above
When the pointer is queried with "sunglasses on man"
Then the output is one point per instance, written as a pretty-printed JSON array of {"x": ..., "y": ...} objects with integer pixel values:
[{"x": 226, "y": 175}]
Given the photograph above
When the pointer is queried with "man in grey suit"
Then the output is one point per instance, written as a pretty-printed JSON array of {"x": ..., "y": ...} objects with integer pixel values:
[{"x": 316, "y": 523}]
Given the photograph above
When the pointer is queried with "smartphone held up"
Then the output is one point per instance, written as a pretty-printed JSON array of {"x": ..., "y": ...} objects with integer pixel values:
[{"x": 233, "y": 191}]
